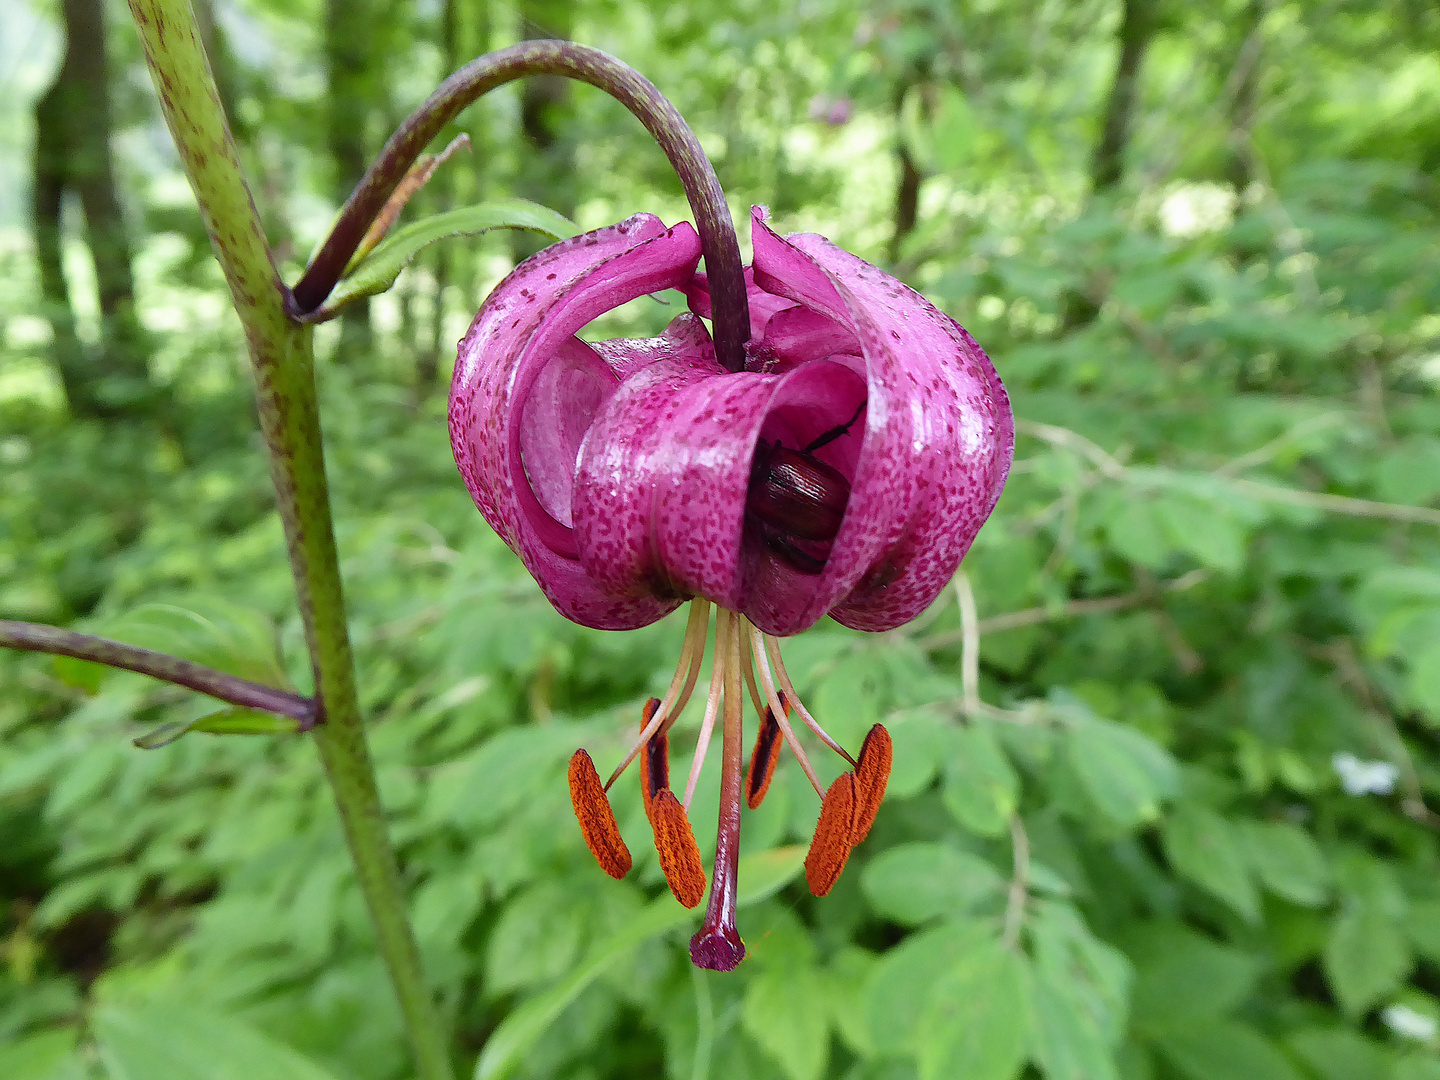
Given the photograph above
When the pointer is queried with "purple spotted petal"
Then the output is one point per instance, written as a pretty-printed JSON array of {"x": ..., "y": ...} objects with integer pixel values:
[
  {"x": 620, "y": 472},
  {"x": 938, "y": 442},
  {"x": 525, "y": 390}
]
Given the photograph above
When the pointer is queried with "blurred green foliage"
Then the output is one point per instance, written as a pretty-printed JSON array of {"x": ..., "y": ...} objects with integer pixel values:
[{"x": 1182, "y": 828}]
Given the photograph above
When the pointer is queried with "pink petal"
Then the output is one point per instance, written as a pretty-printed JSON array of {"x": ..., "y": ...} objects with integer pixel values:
[
  {"x": 938, "y": 437},
  {"x": 525, "y": 329}
]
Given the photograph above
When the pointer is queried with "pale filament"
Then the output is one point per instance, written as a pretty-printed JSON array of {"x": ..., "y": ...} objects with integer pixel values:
[
  {"x": 772, "y": 649},
  {"x": 777, "y": 709},
  {"x": 723, "y": 660},
  {"x": 677, "y": 696}
]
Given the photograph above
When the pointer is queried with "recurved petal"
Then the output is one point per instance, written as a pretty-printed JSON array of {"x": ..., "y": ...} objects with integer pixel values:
[
  {"x": 663, "y": 473},
  {"x": 938, "y": 436},
  {"x": 525, "y": 390}
]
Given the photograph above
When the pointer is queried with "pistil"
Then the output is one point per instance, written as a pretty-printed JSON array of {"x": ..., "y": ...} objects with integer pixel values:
[{"x": 717, "y": 945}]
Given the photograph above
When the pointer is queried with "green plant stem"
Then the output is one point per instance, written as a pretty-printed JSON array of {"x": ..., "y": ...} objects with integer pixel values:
[
  {"x": 35, "y": 637},
  {"x": 280, "y": 350},
  {"x": 697, "y": 176}
]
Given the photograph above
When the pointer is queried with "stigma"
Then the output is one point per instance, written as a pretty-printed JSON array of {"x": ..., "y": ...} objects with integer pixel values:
[{"x": 746, "y": 664}]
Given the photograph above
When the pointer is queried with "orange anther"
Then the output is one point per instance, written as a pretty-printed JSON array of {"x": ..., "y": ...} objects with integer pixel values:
[
  {"x": 597, "y": 820},
  {"x": 872, "y": 773},
  {"x": 679, "y": 854},
  {"x": 762, "y": 761},
  {"x": 830, "y": 846}
]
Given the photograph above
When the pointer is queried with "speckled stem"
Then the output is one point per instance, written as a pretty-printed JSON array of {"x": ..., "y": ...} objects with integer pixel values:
[
  {"x": 620, "y": 81},
  {"x": 280, "y": 350},
  {"x": 35, "y": 637}
]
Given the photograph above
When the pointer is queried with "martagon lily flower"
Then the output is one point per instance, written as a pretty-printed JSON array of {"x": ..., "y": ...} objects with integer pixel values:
[{"x": 844, "y": 471}]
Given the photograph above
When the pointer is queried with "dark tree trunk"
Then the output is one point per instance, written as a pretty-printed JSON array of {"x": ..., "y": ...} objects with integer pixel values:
[
  {"x": 1137, "y": 29},
  {"x": 1244, "y": 91},
  {"x": 72, "y": 153},
  {"x": 1107, "y": 168},
  {"x": 907, "y": 202},
  {"x": 349, "y": 31},
  {"x": 547, "y": 172}
]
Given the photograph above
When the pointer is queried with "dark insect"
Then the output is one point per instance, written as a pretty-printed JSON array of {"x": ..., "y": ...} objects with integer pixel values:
[{"x": 794, "y": 496}]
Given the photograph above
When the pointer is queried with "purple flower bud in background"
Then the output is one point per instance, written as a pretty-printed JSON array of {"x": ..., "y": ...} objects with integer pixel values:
[
  {"x": 828, "y": 110},
  {"x": 844, "y": 471}
]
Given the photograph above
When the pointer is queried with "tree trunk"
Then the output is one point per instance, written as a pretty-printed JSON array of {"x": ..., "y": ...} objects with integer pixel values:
[
  {"x": 1107, "y": 168},
  {"x": 547, "y": 173},
  {"x": 1244, "y": 90},
  {"x": 349, "y": 30},
  {"x": 72, "y": 153},
  {"x": 1137, "y": 29}
]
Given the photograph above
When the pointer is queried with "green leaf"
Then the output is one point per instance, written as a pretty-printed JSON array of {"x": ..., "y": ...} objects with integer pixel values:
[
  {"x": 1098, "y": 973},
  {"x": 1066, "y": 1041},
  {"x": 1224, "y": 1050},
  {"x": 784, "y": 1012},
  {"x": 175, "y": 1042},
  {"x": 913, "y": 883},
  {"x": 48, "y": 1055},
  {"x": 1423, "y": 923},
  {"x": 1204, "y": 529},
  {"x": 1182, "y": 976},
  {"x": 1287, "y": 861},
  {"x": 1366, "y": 957},
  {"x": 1204, "y": 849},
  {"x": 899, "y": 988},
  {"x": 378, "y": 271},
  {"x": 1125, "y": 775},
  {"x": 981, "y": 789},
  {"x": 233, "y": 721},
  {"x": 920, "y": 737},
  {"x": 1135, "y": 531},
  {"x": 976, "y": 1022},
  {"x": 761, "y": 875},
  {"x": 1335, "y": 1054}
]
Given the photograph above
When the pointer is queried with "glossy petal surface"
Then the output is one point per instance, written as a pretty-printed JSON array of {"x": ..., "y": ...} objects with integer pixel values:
[{"x": 620, "y": 471}]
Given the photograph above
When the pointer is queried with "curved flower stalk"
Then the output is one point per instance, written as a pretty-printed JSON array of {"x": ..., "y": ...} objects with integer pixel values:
[{"x": 844, "y": 470}]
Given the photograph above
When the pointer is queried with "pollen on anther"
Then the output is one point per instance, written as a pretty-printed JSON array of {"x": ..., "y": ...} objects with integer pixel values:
[
  {"x": 679, "y": 854},
  {"x": 762, "y": 761},
  {"x": 597, "y": 820},
  {"x": 830, "y": 846},
  {"x": 872, "y": 773}
]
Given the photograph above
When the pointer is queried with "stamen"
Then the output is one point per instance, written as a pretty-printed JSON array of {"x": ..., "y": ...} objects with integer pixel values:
[
  {"x": 677, "y": 696},
  {"x": 762, "y": 761},
  {"x": 778, "y": 708},
  {"x": 772, "y": 649},
  {"x": 871, "y": 776},
  {"x": 712, "y": 702},
  {"x": 679, "y": 854},
  {"x": 830, "y": 846},
  {"x": 597, "y": 820},
  {"x": 717, "y": 945}
]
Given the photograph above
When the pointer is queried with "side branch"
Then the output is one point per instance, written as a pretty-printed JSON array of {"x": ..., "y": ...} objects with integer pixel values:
[
  {"x": 599, "y": 69},
  {"x": 34, "y": 637}
]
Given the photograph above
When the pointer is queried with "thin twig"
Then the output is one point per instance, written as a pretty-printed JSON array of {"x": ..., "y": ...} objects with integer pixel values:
[
  {"x": 1115, "y": 469},
  {"x": 35, "y": 637},
  {"x": 1262, "y": 454},
  {"x": 1030, "y": 616}
]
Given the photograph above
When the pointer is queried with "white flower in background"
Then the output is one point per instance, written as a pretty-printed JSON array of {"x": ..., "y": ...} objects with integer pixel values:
[
  {"x": 1364, "y": 777},
  {"x": 1410, "y": 1023}
]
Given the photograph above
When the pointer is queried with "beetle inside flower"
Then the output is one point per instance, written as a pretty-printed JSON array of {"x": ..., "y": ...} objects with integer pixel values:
[{"x": 844, "y": 470}]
